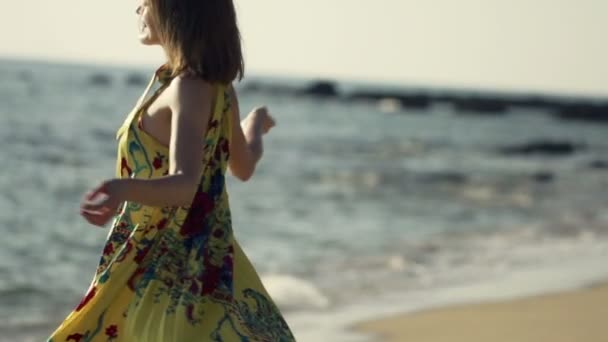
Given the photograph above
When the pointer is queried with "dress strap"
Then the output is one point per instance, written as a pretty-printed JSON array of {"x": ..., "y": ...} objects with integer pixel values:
[
  {"x": 215, "y": 129},
  {"x": 143, "y": 100},
  {"x": 145, "y": 94},
  {"x": 226, "y": 92}
]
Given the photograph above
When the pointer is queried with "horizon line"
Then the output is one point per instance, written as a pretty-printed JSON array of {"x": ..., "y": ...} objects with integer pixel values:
[{"x": 371, "y": 82}]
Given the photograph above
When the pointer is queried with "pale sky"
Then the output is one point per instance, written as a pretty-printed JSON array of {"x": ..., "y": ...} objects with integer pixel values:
[{"x": 537, "y": 45}]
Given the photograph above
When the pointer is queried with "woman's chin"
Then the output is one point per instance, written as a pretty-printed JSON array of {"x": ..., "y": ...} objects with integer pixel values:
[{"x": 146, "y": 40}]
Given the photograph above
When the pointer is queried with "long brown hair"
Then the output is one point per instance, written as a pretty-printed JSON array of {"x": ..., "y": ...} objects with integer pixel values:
[{"x": 201, "y": 37}]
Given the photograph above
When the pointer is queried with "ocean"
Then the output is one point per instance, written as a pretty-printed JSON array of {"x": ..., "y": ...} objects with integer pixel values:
[{"x": 358, "y": 208}]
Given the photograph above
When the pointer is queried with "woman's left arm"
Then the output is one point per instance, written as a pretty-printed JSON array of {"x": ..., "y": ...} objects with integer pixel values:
[{"x": 190, "y": 111}]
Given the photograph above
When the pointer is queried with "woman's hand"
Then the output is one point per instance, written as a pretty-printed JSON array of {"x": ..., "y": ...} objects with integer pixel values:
[
  {"x": 101, "y": 203},
  {"x": 261, "y": 119},
  {"x": 246, "y": 145}
]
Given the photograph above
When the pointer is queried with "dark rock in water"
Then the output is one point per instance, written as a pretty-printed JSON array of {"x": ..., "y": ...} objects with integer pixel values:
[
  {"x": 445, "y": 177},
  {"x": 100, "y": 80},
  {"x": 257, "y": 87},
  {"x": 321, "y": 89},
  {"x": 371, "y": 95},
  {"x": 532, "y": 102},
  {"x": 480, "y": 105},
  {"x": 464, "y": 102},
  {"x": 599, "y": 164},
  {"x": 548, "y": 148},
  {"x": 135, "y": 79},
  {"x": 543, "y": 177},
  {"x": 419, "y": 101},
  {"x": 595, "y": 112},
  {"x": 414, "y": 100}
]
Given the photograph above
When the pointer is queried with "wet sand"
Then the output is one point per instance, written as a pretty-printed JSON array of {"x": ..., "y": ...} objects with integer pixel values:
[{"x": 576, "y": 316}]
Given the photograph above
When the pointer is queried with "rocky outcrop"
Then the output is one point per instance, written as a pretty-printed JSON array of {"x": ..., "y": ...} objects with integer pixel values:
[
  {"x": 321, "y": 89},
  {"x": 594, "y": 112},
  {"x": 480, "y": 105},
  {"x": 546, "y": 148},
  {"x": 135, "y": 79},
  {"x": 101, "y": 80},
  {"x": 543, "y": 177},
  {"x": 463, "y": 102},
  {"x": 599, "y": 164}
]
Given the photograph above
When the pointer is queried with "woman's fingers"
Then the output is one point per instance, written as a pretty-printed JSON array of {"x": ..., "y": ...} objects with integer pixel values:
[
  {"x": 91, "y": 206},
  {"x": 262, "y": 110},
  {"x": 98, "y": 218},
  {"x": 98, "y": 202},
  {"x": 93, "y": 219},
  {"x": 268, "y": 125},
  {"x": 96, "y": 206},
  {"x": 271, "y": 121}
]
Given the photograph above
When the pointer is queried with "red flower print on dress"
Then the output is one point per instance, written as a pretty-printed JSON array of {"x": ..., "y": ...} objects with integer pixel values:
[
  {"x": 87, "y": 298},
  {"x": 212, "y": 282},
  {"x": 125, "y": 165},
  {"x": 112, "y": 331},
  {"x": 135, "y": 278},
  {"x": 161, "y": 224},
  {"x": 202, "y": 205},
  {"x": 109, "y": 249},
  {"x": 158, "y": 162},
  {"x": 141, "y": 254},
  {"x": 75, "y": 337},
  {"x": 210, "y": 277},
  {"x": 224, "y": 145}
]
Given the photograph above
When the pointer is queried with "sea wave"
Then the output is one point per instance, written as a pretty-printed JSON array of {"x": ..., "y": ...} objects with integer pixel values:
[{"x": 292, "y": 293}]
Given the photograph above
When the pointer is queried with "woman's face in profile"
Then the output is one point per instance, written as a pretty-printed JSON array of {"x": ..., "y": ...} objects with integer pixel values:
[{"x": 147, "y": 29}]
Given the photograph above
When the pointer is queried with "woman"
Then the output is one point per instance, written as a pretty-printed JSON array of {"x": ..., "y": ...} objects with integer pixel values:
[{"x": 171, "y": 270}]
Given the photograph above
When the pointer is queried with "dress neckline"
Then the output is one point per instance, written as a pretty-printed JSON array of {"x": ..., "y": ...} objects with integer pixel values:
[{"x": 163, "y": 75}]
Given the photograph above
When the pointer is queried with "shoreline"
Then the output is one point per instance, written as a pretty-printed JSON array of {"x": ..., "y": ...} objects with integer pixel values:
[
  {"x": 349, "y": 323},
  {"x": 565, "y": 316}
]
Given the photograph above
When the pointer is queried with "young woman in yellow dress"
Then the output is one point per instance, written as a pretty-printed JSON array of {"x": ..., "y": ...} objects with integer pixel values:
[{"x": 171, "y": 269}]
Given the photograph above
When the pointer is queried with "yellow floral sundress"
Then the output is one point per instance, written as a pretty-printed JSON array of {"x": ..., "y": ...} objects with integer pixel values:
[{"x": 174, "y": 274}]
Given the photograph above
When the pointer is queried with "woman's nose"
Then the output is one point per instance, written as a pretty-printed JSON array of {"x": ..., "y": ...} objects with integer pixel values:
[{"x": 138, "y": 10}]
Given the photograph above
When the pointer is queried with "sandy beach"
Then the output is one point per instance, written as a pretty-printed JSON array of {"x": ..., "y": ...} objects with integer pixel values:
[{"x": 576, "y": 316}]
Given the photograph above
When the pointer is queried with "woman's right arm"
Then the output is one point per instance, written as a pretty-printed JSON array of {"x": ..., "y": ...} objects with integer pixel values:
[{"x": 246, "y": 147}]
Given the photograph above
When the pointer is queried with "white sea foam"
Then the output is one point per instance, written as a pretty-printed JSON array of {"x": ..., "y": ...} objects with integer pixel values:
[
  {"x": 557, "y": 268},
  {"x": 291, "y": 293}
]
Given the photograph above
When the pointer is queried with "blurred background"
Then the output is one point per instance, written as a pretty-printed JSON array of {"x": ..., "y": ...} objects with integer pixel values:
[{"x": 426, "y": 153}]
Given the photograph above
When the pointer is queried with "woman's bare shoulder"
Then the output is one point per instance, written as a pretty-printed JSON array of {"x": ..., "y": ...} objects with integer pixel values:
[{"x": 189, "y": 92}]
